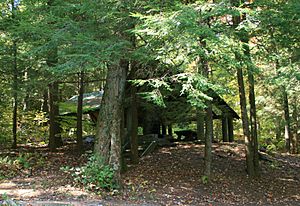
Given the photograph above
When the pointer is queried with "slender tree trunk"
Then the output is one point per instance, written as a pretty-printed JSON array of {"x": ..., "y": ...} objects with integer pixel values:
[
  {"x": 243, "y": 104},
  {"x": 209, "y": 130},
  {"x": 253, "y": 122},
  {"x": 15, "y": 95},
  {"x": 253, "y": 117},
  {"x": 295, "y": 128},
  {"x": 108, "y": 144},
  {"x": 45, "y": 105},
  {"x": 79, "y": 111},
  {"x": 134, "y": 127},
  {"x": 200, "y": 125},
  {"x": 287, "y": 120},
  {"x": 208, "y": 140},
  {"x": 245, "y": 122},
  {"x": 26, "y": 98}
]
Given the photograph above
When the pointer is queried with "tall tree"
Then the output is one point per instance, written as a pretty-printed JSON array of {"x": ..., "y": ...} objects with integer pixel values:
[
  {"x": 14, "y": 8},
  {"x": 242, "y": 94},
  {"x": 108, "y": 136}
]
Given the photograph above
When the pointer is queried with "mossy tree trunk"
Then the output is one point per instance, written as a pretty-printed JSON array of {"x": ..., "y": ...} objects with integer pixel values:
[{"x": 109, "y": 125}]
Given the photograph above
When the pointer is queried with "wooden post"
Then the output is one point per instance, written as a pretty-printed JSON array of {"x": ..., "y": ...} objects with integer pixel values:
[
  {"x": 225, "y": 128},
  {"x": 230, "y": 129},
  {"x": 170, "y": 130},
  {"x": 163, "y": 130},
  {"x": 200, "y": 126}
]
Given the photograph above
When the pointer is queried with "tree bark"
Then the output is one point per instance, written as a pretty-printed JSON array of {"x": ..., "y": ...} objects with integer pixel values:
[
  {"x": 79, "y": 112},
  {"x": 200, "y": 126},
  {"x": 253, "y": 117},
  {"x": 253, "y": 120},
  {"x": 54, "y": 129},
  {"x": 287, "y": 120},
  {"x": 134, "y": 127},
  {"x": 209, "y": 130},
  {"x": 294, "y": 142},
  {"x": 243, "y": 36},
  {"x": 245, "y": 122},
  {"x": 15, "y": 94},
  {"x": 45, "y": 105},
  {"x": 208, "y": 140},
  {"x": 108, "y": 135}
]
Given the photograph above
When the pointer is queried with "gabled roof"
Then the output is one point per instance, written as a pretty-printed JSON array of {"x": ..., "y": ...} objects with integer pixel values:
[
  {"x": 222, "y": 105},
  {"x": 91, "y": 102}
]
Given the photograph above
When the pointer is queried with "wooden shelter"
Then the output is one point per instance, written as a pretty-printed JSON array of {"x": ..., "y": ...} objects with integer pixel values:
[{"x": 156, "y": 120}]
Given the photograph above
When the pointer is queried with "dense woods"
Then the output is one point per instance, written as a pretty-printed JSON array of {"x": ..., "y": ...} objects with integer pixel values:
[{"x": 160, "y": 65}]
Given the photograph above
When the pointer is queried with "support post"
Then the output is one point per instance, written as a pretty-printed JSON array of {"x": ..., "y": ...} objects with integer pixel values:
[
  {"x": 230, "y": 129},
  {"x": 225, "y": 128},
  {"x": 163, "y": 130},
  {"x": 200, "y": 126}
]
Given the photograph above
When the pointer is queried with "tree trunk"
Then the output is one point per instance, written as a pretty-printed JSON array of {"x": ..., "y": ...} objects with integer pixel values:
[
  {"x": 294, "y": 142},
  {"x": 209, "y": 130},
  {"x": 208, "y": 140},
  {"x": 200, "y": 126},
  {"x": 134, "y": 127},
  {"x": 245, "y": 122},
  {"x": 253, "y": 121},
  {"x": 108, "y": 144},
  {"x": 15, "y": 95},
  {"x": 54, "y": 130},
  {"x": 243, "y": 36},
  {"x": 79, "y": 112},
  {"x": 45, "y": 106},
  {"x": 287, "y": 120}
]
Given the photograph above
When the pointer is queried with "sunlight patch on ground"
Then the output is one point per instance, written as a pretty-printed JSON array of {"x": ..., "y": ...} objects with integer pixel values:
[
  {"x": 7, "y": 185},
  {"x": 72, "y": 191},
  {"x": 24, "y": 193},
  {"x": 287, "y": 179}
]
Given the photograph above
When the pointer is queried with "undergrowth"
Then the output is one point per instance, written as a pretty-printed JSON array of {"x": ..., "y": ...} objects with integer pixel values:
[{"x": 94, "y": 176}]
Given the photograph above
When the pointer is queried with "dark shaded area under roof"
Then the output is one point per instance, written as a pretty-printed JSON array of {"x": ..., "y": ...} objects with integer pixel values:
[{"x": 92, "y": 101}]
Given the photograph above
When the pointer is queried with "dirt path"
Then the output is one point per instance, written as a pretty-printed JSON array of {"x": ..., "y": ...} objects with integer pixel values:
[{"x": 169, "y": 176}]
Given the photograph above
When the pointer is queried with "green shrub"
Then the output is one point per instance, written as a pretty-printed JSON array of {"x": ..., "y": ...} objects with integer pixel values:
[{"x": 95, "y": 175}]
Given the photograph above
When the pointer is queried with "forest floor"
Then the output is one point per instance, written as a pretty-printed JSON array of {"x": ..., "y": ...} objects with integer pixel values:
[{"x": 168, "y": 176}]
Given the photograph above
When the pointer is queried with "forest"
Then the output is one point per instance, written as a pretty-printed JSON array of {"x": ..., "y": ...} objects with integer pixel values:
[{"x": 154, "y": 102}]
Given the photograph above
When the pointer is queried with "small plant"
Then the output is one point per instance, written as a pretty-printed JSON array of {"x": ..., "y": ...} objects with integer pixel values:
[
  {"x": 8, "y": 167},
  {"x": 6, "y": 201},
  {"x": 23, "y": 160},
  {"x": 204, "y": 179},
  {"x": 95, "y": 175}
]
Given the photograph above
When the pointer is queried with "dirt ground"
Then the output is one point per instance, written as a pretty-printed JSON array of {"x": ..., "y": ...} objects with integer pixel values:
[{"x": 168, "y": 176}]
